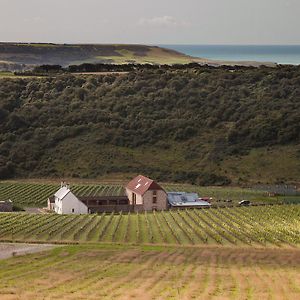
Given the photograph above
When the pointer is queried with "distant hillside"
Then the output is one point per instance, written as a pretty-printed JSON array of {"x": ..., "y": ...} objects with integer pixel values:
[
  {"x": 64, "y": 55},
  {"x": 204, "y": 125},
  {"x": 22, "y": 56}
]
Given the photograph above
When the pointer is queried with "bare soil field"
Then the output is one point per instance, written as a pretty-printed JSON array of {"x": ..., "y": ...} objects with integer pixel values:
[
  {"x": 15, "y": 249},
  {"x": 152, "y": 272}
]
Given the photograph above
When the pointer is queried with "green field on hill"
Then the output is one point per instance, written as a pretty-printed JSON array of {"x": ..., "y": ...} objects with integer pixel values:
[
  {"x": 16, "y": 55},
  {"x": 269, "y": 225},
  {"x": 6, "y": 74}
]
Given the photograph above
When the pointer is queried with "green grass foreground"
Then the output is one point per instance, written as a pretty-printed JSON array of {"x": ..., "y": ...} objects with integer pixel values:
[
  {"x": 269, "y": 225},
  {"x": 142, "y": 272}
]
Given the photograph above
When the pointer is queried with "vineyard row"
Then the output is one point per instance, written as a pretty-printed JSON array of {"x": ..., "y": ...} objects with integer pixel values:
[{"x": 274, "y": 225}]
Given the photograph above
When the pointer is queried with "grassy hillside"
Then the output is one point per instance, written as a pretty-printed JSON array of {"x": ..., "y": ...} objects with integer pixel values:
[
  {"x": 24, "y": 56},
  {"x": 105, "y": 272},
  {"x": 205, "y": 126},
  {"x": 6, "y": 74},
  {"x": 13, "y": 55}
]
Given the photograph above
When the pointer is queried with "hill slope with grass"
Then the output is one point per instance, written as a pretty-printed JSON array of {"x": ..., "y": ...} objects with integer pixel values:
[
  {"x": 200, "y": 125},
  {"x": 16, "y": 55},
  {"x": 24, "y": 56}
]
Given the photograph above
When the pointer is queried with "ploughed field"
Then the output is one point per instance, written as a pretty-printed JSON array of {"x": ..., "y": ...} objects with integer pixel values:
[
  {"x": 258, "y": 225},
  {"x": 152, "y": 272},
  {"x": 36, "y": 194}
]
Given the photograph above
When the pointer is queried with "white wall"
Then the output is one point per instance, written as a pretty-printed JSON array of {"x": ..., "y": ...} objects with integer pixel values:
[
  {"x": 138, "y": 199},
  {"x": 68, "y": 204}
]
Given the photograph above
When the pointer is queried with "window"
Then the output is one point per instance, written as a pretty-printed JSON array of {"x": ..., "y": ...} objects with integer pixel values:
[
  {"x": 133, "y": 198},
  {"x": 72, "y": 210},
  {"x": 154, "y": 197}
]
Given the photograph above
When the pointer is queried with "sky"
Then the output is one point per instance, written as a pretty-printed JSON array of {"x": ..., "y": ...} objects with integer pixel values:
[{"x": 151, "y": 22}]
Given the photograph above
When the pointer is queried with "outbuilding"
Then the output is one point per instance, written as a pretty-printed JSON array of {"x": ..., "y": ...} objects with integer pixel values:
[
  {"x": 186, "y": 200},
  {"x": 6, "y": 206},
  {"x": 51, "y": 203}
]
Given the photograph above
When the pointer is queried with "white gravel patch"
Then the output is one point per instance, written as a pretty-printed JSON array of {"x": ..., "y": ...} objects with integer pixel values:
[{"x": 15, "y": 249}]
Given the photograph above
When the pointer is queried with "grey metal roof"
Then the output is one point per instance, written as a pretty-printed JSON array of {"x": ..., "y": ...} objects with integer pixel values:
[{"x": 182, "y": 199}]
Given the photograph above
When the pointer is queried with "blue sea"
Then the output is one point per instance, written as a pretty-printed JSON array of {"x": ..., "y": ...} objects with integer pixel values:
[{"x": 277, "y": 54}]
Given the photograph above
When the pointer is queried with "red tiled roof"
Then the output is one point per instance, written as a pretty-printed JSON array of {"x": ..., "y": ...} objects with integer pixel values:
[{"x": 141, "y": 184}]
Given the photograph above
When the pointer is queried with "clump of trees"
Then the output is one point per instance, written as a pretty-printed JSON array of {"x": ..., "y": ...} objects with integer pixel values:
[{"x": 226, "y": 111}]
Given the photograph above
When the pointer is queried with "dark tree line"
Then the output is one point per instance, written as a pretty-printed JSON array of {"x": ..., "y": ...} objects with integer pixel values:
[
  {"x": 216, "y": 112},
  {"x": 105, "y": 67}
]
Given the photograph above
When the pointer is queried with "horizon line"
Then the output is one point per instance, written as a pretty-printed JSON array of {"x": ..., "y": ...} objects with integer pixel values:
[{"x": 146, "y": 44}]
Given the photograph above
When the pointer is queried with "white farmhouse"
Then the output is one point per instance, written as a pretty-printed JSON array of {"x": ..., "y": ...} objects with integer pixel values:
[{"x": 65, "y": 202}]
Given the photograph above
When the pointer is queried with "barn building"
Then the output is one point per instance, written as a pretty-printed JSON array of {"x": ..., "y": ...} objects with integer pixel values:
[
  {"x": 99, "y": 204},
  {"x": 145, "y": 194}
]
